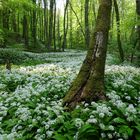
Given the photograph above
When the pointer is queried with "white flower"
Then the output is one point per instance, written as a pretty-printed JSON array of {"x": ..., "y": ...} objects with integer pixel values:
[
  {"x": 102, "y": 126},
  {"x": 101, "y": 115},
  {"x": 103, "y": 135},
  {"x": 47, "y": 126},
  {"x": 110, "y": 136},
  {"x": 49, "y": 133},
  {"x": 92, "y": 120},
  {"x": 78, "y": 122},
  {"x": 111, "y": 127}
]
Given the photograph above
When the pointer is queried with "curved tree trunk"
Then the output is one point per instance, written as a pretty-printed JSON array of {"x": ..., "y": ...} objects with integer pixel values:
[
  {"x": 89, "y": 84},
  {"x": 118, "y": 31}
]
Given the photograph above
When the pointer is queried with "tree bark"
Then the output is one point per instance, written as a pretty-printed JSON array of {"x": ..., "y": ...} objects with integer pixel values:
[
  {"x": 87, "y": 34},
  {"x": 121, "y": 52},
  {"x": 54, "y": 28},
  {"x": 77, "y": 19},
  {"x": 34, "y": 27},
  {"x": 64, "y": 26},
  {"x": 50, "y": 24},
  {"x": 58, "y": 31},
  {"x": 138, "y": 31},
  {"x": 45, "y": 22},
  {"x": 89, "y": 84},
  {"x": 25, "y": 31}
]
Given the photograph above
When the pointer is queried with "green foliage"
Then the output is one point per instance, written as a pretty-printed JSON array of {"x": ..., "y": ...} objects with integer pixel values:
[{"x": 1, "y": 38}]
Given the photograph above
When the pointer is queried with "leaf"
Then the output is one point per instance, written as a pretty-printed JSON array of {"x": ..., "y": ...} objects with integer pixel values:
[
  {"x": 59, "y": 137},
  {"x": 137, "y": 136},
  {"x": 126, "y": 129},
  {"x": 87, "y": 131},
  {"x": 119, "y": 120},
  {"x": 138, "y": 128}
]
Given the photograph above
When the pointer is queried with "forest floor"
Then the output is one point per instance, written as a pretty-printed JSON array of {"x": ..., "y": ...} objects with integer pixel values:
[{"x": 31, "y": 100}]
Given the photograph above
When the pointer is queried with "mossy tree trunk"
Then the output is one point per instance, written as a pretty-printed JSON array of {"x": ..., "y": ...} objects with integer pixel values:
[{"x": 89, "y": 84}]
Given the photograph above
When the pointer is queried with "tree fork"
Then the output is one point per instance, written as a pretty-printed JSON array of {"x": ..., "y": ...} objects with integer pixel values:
[{"x": 89, "y": 84}]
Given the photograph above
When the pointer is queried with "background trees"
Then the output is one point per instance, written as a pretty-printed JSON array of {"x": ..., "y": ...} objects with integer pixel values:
[{"x": 51, "y": 26}]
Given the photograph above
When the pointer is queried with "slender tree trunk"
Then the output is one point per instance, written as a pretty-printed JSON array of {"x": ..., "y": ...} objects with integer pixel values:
[
  {"x": 6, "y": 14},
  {"x": 45, "y": 22},
  {"x": 58, "y": 31},
  {"x": 77, "y": 19},
  {"x": 87, "y": 34},
  {"x": 34, "y": 27},
  {"x": 71, "y": 35},
  {"x": 138, "y": 30},
  {"x": 112, "y": 23},
  {"x": 64, "y": 26},
  {"x": 121, "y": 52},
  {"x": 89, "y": 84},
  {"x": 94, "y": 11},
  {"x": 25, "y": 31},
  {"x": 14, "y": 24},
  {"x": 50, "y": 24},
  {"x": 18, "y": 23},
  {"x": 54, "y": 29}
]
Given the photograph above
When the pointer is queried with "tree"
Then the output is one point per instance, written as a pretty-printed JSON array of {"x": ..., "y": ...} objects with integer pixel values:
[
  {"x": 64, "y": 25},
  {"x": 34, "y": 23},
  {"x": 87, "y": 35},
  {"x": 54, "y": 28},
  {"x": 25, "y": 31},
  {"x": 118, "y": 31},
  {"x": 89, "y": 84},
  {"x": 138, "y": 29},
  {"x": 45, "y": 21},
  {"x": 50, "y": 24}
]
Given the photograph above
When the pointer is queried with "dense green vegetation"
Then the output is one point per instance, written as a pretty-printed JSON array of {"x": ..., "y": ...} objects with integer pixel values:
[{"x": 57, "y": 82}]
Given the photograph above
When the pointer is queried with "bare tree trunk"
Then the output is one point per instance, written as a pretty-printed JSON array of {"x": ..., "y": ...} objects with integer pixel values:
[
  {"x": 58, "y": 31},
  {"x": 70, "y": 39},
  {"x": 25, "y": 31},
  {"x": 87, "y": 35},
  {"x": 54, "y": 28},
  {"x": 138, "y": 31},
  {"x": 121, "y": 52},
  {"x": 77, "y": 19},
  {"x": 64, "y": 26},
  {"x": 50, "y": 24},
  {"x": 34, "y": 27},
  {"x": 45, "y": 22},
  {"x": 89, "y": 84}
]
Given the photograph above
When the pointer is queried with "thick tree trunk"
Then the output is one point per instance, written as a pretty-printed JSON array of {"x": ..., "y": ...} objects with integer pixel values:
[
  {"x": 87, "y": 34},
  {"x": 89, "y": 84},
  {"x": 121, "y": 52}
]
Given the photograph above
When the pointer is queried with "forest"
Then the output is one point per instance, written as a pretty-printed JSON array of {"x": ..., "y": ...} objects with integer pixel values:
[{"x": 69, "y": 69}]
